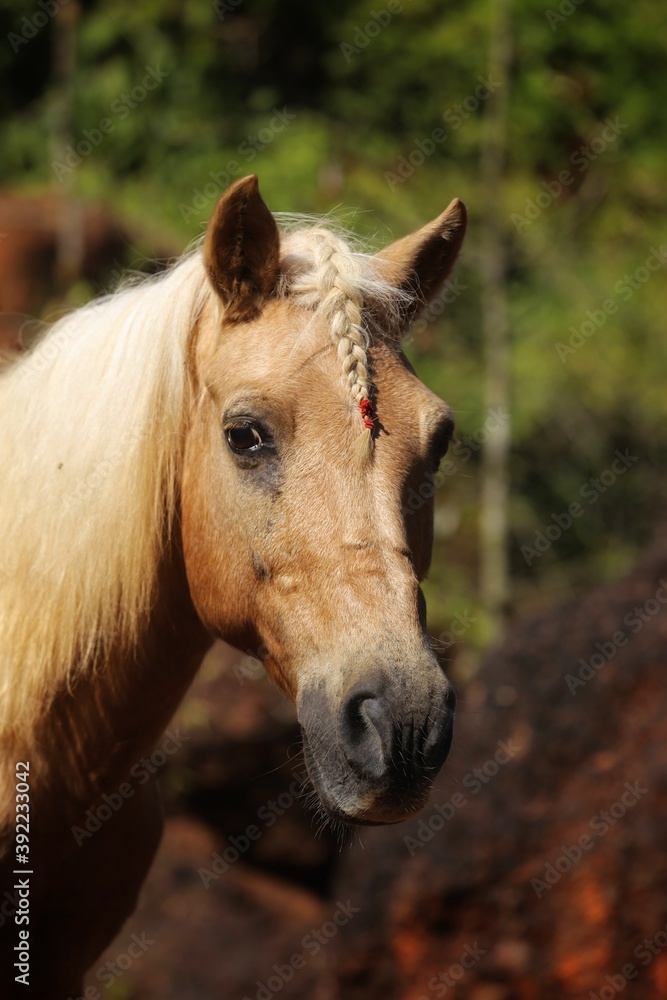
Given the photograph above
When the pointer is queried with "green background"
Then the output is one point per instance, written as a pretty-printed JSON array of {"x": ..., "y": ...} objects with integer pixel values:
[{"x": 363, "y": 99}]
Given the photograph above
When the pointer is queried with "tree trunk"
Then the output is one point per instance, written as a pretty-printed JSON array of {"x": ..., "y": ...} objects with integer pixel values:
[
  {"x": 494, "y": 575},
  {"x": 70, "y": 246}
]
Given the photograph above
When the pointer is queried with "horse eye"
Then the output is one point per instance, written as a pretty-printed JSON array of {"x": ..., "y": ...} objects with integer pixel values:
[
  {"x": 441, "y": 447},
  {"x": 441, "y": 450},
  {"x": 442, "y": 442},
  {"x": 244, "y": 437}
]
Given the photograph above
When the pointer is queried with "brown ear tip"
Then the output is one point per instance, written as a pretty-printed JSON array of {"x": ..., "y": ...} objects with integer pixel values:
[
  {"x": 456, "y": 210},
  {"x": 249, "y": 184}
]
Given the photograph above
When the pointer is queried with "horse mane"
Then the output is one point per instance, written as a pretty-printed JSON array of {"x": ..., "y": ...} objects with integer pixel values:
[{"x": 92, "y": 424}]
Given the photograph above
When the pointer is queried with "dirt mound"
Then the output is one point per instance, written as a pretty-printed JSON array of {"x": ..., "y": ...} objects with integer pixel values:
[
  {"x": 207, "y": 928},
  {"x": 539, "y": 870}
]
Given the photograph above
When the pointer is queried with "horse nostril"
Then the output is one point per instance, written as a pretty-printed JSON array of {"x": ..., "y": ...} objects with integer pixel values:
[
  {"x": 366, "y": 732},
  {"x": 354, "y": 717},
  {"x": 384, "y": 738},
  {"x": 438, "y": 731}
]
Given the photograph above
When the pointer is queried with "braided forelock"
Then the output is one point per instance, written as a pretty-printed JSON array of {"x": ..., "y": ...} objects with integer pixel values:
[
  {"x": 348, "y": 290},
  {"x": 337, "y": 278}
]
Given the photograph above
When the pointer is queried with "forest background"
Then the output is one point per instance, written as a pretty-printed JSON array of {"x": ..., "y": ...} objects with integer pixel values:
[{"x": 549, "y": 122}]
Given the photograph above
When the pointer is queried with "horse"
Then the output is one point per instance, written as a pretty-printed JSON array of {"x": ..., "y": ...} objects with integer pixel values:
[{"x": 222, "y": 450}]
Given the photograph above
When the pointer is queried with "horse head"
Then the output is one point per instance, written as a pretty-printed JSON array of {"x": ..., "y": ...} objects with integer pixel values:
[{"x": 307, "y": 430}]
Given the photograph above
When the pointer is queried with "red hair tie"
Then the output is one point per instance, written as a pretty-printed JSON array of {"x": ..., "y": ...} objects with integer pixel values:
[{"x": 366, "y": 414}]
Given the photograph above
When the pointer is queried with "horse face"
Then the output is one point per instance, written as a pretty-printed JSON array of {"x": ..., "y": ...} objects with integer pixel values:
[{"x": 301, "y": 552}]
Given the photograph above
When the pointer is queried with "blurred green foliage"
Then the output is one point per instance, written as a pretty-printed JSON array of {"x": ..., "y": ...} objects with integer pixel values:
[{"x": 367, "y": 87}]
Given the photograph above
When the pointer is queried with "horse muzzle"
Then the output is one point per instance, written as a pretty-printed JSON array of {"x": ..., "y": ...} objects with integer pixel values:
[{"x": 373, "y": 753}]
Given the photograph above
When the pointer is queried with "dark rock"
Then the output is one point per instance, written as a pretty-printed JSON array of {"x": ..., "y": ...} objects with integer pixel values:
[
  {"x": 541, "y": 861},
  {"x": 227, "y": 938},
  {"x": 241, "y": 767}
]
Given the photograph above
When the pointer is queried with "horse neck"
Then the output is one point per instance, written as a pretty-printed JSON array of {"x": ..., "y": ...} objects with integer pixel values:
[{"x": 93, "y": 734}]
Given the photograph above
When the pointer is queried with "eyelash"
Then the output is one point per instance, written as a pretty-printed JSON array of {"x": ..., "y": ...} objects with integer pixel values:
[
  {"x": 254, "y": 441},
  {"x": 441, "y": 446}
]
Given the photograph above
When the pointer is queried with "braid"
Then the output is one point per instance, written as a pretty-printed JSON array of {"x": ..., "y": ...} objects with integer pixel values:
[
  {"x": 322, "y": 272},
  {"x": 338, "y": 280}
]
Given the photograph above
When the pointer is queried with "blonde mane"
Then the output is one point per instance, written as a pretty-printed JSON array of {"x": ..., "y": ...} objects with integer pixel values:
[{"x": 92, "y": 424}]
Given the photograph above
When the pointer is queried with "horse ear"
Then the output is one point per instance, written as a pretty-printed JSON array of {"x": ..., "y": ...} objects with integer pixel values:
[
  {"x": 419, "y": 263},
  {"x": 242, "y": 250}
]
